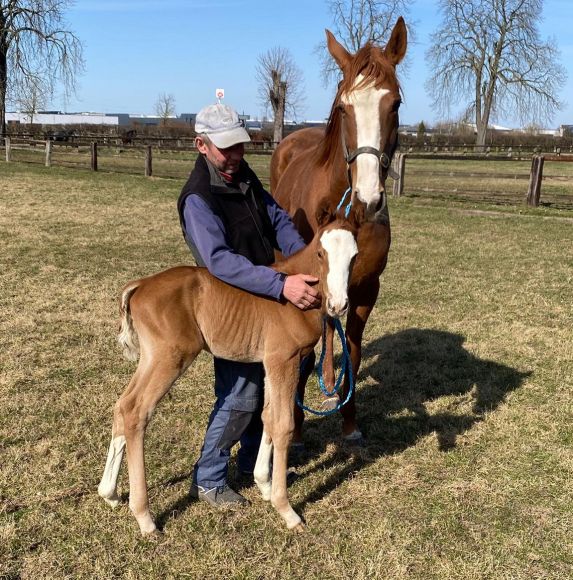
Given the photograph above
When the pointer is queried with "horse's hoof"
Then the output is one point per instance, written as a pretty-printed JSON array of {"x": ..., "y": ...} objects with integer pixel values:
[
  {"x": 354, "y": 439},
  {"x": 330, "y": 404}
]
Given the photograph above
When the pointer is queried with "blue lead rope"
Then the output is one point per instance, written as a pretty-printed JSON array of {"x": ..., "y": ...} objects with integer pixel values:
[
  {"x": 346, "y": 368},
  {"x": 348, "y": 205}
]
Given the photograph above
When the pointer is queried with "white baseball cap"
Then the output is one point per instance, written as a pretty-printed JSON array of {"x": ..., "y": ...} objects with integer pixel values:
[{"x": 222, "y": 125}]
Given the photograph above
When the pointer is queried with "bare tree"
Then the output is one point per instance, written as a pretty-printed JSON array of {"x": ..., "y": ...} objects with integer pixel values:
[
  {"x": 165, "y": 107},
  {"x": 36, "y": 49},
  {"x": 487, "y": 55},
  {"x": 356, "y": 22},
  {"x": 280, "y": 86},
  {"x": 31, "y": 99}
]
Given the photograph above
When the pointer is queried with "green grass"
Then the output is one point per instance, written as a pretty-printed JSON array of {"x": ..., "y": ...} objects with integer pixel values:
[{"x": 465, "y": 396}]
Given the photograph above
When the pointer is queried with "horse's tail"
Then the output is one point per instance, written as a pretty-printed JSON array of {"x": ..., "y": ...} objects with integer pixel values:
[{"x": 127, "y": 337}]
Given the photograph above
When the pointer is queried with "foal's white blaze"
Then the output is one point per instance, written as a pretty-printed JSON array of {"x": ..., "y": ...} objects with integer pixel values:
[
  {"x": 366, "y": 103},
  {"x": 341, "y": 247}
]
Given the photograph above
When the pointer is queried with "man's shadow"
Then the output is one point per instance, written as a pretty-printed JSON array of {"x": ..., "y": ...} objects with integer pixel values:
[{"x": 410, "y": 369}]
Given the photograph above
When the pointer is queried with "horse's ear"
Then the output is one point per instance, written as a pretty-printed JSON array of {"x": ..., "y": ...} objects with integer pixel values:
[
  {"x": 337, "y": 51},
  {"x": 396, "y": 47},
  {"x": 324, "y": 213}
]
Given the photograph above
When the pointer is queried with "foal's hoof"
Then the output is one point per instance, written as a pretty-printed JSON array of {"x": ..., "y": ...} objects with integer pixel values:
[
  {"x": 156, "y": 536},
  {"x": 354, "y": 439},
  {"x": 112, "y": 501},
  {"x": 299, "y": 528}
]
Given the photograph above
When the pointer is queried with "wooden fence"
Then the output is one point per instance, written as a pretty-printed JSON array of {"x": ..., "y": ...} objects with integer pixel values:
[{"x": 175, "y": 160}]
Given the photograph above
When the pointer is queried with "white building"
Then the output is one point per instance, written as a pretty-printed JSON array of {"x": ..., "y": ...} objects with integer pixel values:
[{"x": 56, "y": 118}]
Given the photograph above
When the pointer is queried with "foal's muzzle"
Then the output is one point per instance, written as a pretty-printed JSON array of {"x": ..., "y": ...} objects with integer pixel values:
[{"x": 336, "y": 310}]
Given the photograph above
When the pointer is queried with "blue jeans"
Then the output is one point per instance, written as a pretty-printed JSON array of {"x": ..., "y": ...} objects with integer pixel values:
[{"x": 236, "y": 416}]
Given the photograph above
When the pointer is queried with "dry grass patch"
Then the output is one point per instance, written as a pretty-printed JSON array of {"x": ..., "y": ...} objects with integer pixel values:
[{"x": 464, "y": 395}]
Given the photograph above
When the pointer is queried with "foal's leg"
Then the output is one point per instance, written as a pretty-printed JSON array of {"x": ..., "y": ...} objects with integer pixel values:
[
  {"x": 358, "y": 313},
  {"x": 305, "y": 373},
  {"x": 328, "y": 367},
  {"x": 278, "y": 418},
  {"x": 137, "y": 408},
  {"x": 107, "y": 488},
  {"x": 262, "y": 472}
]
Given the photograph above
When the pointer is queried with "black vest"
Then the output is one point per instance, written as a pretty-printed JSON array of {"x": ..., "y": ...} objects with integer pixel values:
[{"x": 241, "y": 207}]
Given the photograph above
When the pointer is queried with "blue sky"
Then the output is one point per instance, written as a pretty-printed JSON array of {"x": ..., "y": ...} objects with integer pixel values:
[{"x": 136, "y": 49}]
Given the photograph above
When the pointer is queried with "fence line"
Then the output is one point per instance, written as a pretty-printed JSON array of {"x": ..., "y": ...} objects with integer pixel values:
[{"x": 531, "y": 197}]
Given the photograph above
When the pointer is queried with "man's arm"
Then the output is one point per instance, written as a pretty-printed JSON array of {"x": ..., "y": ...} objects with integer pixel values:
[
  {"x": 288, "y": 238},
  {"x": 298, "y": 288},
  {"x": 207, "y": 232}
]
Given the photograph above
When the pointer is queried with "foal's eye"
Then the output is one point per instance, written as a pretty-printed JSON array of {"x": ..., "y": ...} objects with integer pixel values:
[{"x": 320, "y": 255}]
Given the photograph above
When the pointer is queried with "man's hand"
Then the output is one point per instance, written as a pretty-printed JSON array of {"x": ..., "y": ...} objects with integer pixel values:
[{"x": 298, "y": 290}]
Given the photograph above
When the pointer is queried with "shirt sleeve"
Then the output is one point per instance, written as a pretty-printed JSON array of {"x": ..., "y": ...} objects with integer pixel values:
[
  {"x": 288, "y": 238},
  {"x": 207, "y": 232}
]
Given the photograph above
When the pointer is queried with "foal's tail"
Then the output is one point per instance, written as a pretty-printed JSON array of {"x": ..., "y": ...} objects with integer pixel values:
[{"x": 127, "y": 337}]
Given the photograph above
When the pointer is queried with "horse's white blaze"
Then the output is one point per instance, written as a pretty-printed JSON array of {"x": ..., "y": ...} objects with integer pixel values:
[
  {"x": 341, "y": 247},
  {"x": 108, "y": 485},
  {"x": 366, "y": 103}
]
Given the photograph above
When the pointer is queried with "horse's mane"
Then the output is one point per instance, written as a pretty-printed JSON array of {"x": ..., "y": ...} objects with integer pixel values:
[{"x": 371, "y": 62}]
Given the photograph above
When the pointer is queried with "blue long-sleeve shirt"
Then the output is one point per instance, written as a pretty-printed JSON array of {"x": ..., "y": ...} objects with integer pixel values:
[{"x": 207, "y": 231}]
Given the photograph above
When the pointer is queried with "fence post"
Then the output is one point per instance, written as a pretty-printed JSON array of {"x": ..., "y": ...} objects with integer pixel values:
[
  {"x": 94, "y": 156},
  {"x": 400, "y": 168},
  {"x": 534, "y": 191},
  {"x": 148, "y": 162},
  {"x": 8, "y": 144},
  {"x": 48, "y": 153}
]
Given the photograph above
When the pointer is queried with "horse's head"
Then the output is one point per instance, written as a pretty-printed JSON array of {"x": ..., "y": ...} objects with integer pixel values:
[
  {"x": 336, "y": 250},
  {"x": 367, "y": 102}
]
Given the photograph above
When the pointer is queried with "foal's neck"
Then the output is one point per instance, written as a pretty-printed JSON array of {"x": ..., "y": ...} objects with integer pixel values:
[{"x": 303, "y": 262}]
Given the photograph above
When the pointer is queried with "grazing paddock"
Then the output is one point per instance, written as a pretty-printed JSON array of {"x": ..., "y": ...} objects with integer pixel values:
[{"x": 465, "y": 397}]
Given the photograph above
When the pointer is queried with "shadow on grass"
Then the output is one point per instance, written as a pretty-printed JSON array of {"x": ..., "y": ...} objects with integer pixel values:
[{"x": 411, "y": 368}]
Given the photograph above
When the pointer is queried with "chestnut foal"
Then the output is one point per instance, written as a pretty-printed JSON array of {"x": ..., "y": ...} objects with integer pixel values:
[{"x": 172, "y": 316}]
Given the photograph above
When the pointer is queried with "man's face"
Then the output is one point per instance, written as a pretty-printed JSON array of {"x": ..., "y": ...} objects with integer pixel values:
[{"x": 225, "y": 160}]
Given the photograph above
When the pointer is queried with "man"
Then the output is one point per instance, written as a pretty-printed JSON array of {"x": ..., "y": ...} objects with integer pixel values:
[{"x": 232, "y": 226}]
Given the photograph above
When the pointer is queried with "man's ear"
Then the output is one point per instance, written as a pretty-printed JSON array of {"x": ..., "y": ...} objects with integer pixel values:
[
  {"x": 324, "y": 213},
  {"x": 200, "y": 144}
]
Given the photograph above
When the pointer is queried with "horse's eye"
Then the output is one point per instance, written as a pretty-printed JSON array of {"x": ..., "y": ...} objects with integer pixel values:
[{"x": 320, "y": 254}]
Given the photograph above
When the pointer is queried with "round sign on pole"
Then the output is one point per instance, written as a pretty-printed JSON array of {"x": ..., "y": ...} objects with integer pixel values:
[{"x": 220, "y": 93}]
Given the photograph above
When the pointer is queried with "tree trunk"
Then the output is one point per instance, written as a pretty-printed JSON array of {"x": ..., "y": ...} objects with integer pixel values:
[
  {"x": 3, "y": 85},
  {"x": 280, "y": 114},
  {"x": 278, "y": 102}
]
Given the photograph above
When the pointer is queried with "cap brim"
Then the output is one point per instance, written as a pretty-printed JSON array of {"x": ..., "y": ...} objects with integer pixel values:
[{"x": 229, "y": 138}]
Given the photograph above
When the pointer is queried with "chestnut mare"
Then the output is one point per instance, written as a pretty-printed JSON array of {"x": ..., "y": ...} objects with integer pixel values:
[
  {"x": 354, "y": 151},
  {"x": 174, "y": 315}
]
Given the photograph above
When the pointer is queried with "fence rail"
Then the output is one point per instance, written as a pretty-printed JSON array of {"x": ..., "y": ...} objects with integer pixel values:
[{"x": 451, "y": 170}]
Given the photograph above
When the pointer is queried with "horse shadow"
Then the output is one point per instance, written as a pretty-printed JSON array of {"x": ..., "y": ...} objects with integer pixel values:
[{"x": 406, "y": 372}]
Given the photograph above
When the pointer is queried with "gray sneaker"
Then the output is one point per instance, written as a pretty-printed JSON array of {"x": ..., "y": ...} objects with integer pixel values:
[{"x": 218, "y": 496}]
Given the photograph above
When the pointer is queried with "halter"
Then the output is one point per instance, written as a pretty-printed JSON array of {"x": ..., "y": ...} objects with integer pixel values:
[{"x": 350, "y": 157}]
